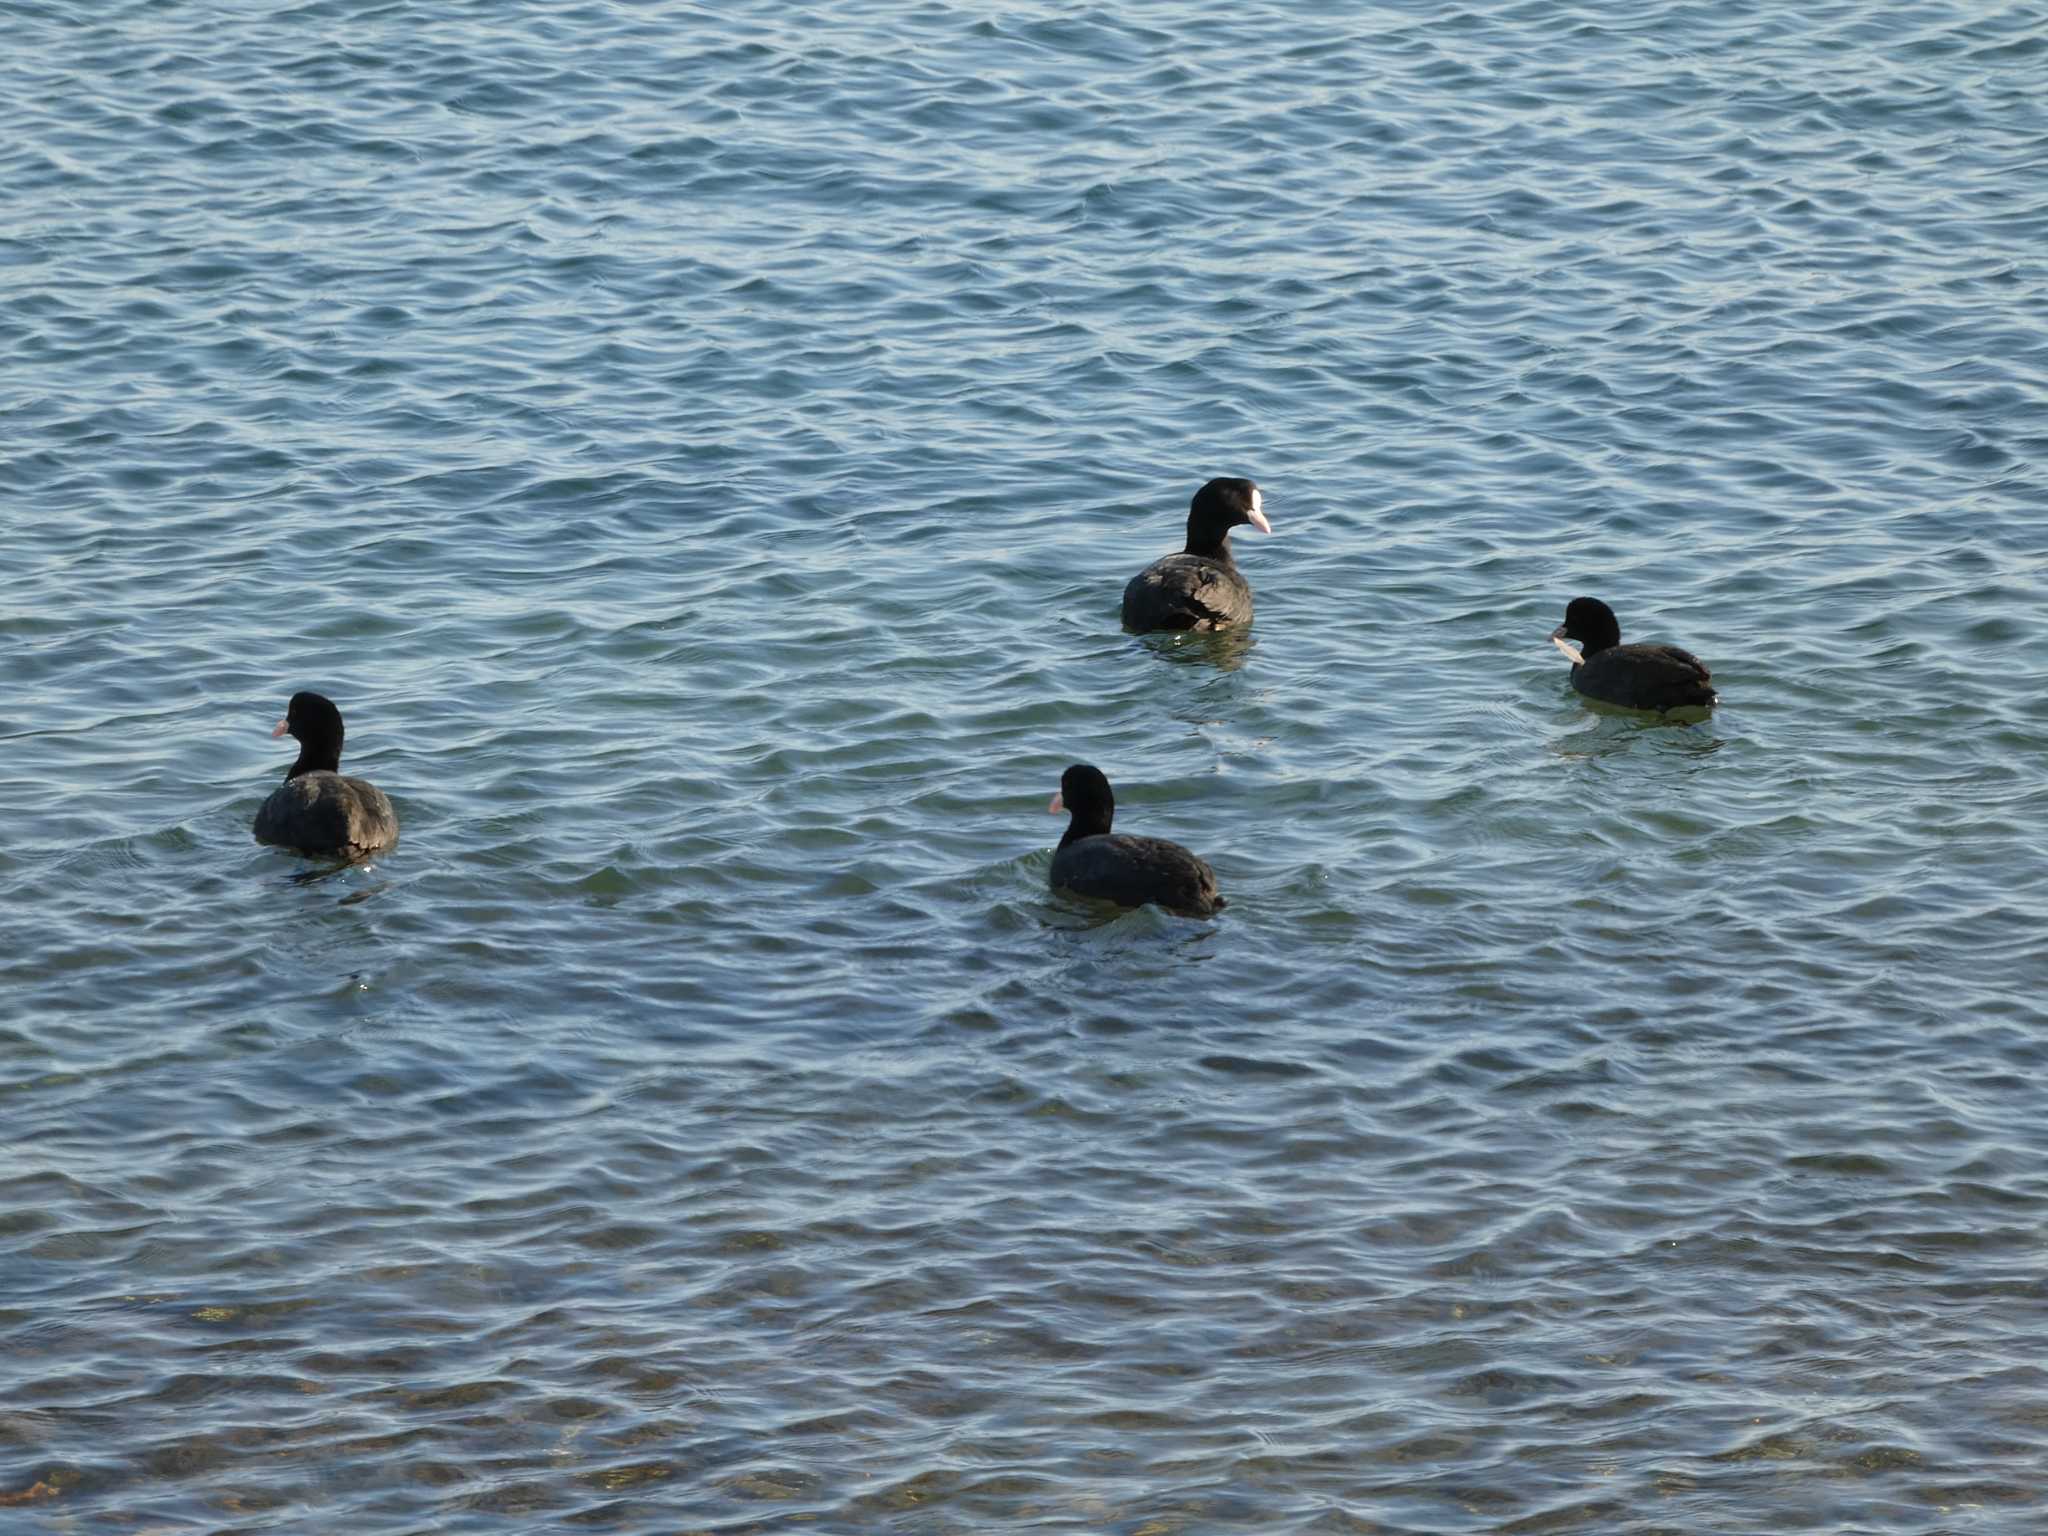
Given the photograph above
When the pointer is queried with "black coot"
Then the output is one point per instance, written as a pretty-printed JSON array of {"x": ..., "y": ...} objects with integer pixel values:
[
  {"x": 1129, "y": 871},
  {"x": 317, "y": 809},
  {"x": 1200, "y": 588},
  {"x": 1633, "y": 676}
]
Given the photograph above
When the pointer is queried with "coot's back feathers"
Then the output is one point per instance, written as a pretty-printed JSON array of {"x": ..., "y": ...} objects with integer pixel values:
[
  {"x": 1130, "y": 871},
  {"x": 1646, "y": 677},
  {"x": 1640, "y": 676},
  {"x": 1187, "y": 592},
  {"x": 318, "y": 809},
  {"x": 1200, "y": 588},
  {"x": 327, "y": 813}
]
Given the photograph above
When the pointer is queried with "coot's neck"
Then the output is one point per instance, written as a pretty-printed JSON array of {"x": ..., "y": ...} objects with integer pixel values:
[
  {"x": 1093, "y": 823},
  {"x": 1604, "y": 639},
  {"x": 316, "y": 757},
  {"x": 1210, "y": 545}
]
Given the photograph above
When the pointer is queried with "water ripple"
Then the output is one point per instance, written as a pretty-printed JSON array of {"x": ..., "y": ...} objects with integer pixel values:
[{"x": 702, "y": 449}]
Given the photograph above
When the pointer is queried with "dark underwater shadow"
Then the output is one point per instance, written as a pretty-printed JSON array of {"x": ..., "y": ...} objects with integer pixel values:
[
  {"x": 1610, "y": 728},
  {"x": 324, "y": 870},
  {"x": 1223, "y": 649},
  {"x": 1066, "y": 912},
  {"x": 1691, "y": 714}
]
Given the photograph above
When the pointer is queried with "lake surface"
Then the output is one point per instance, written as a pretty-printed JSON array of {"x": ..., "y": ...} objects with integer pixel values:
[{"x": 701, "y": 448}]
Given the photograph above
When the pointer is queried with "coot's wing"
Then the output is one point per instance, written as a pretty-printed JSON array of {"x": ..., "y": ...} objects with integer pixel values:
[
  {"x": 1646, "y": 676},
  {"x": 1186, "y": 592},
  {"x": 1131, "y": 871},
  {"x": 1680, "y": 672},
  {"x": 271, "y": 816},
  {"x": 1682, "y": 662},
  {"x": 304, "y": 813},
  {"x": 372, "y": 823},
  {"x": 326, "y": 813}
]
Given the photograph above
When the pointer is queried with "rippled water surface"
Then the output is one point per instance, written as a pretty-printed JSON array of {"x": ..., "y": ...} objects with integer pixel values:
[{"x": 701, "y": 446}]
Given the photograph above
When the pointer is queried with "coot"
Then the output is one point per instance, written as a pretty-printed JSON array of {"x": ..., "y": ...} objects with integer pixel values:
[
  {"x": 318, "y": 810},
  {"x": 1129, "y": 871},
  {"x": 1633, "y": 676},
  {"x": 1200, "y": 587}
]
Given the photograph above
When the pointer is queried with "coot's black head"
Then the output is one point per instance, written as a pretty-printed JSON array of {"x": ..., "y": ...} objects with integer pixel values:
[
  {"x": 1084, "y": 795},
  {"x": 314, "y": 721},
  {"x": 1590, "y": 622},
  {"x": 1220, "y": 506}
]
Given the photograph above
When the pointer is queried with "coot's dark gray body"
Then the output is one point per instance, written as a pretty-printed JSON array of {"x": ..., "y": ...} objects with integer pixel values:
[
  {"x": 1641, "y": 676},
  {"x": 1646, "y": 677},
  {"x": 1187, "y": 592},
  {"x": 1130, "y": 871},
  {"x": 1200, "y": 588},
  {"x": 318, "y": 809},
  {"x": 327, "y": 813}
]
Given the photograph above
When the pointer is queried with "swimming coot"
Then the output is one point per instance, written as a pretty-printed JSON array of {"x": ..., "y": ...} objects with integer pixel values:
[
  {"x": 1633, "y": 676},
  {"x": 1129, "y": 871},
  {"x": 318, "y": 810},
  {"x": 1199, "y": 588}
]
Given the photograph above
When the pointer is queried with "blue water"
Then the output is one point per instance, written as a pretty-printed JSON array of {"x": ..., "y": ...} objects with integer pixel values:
[{"x": 701, "y": 447}]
